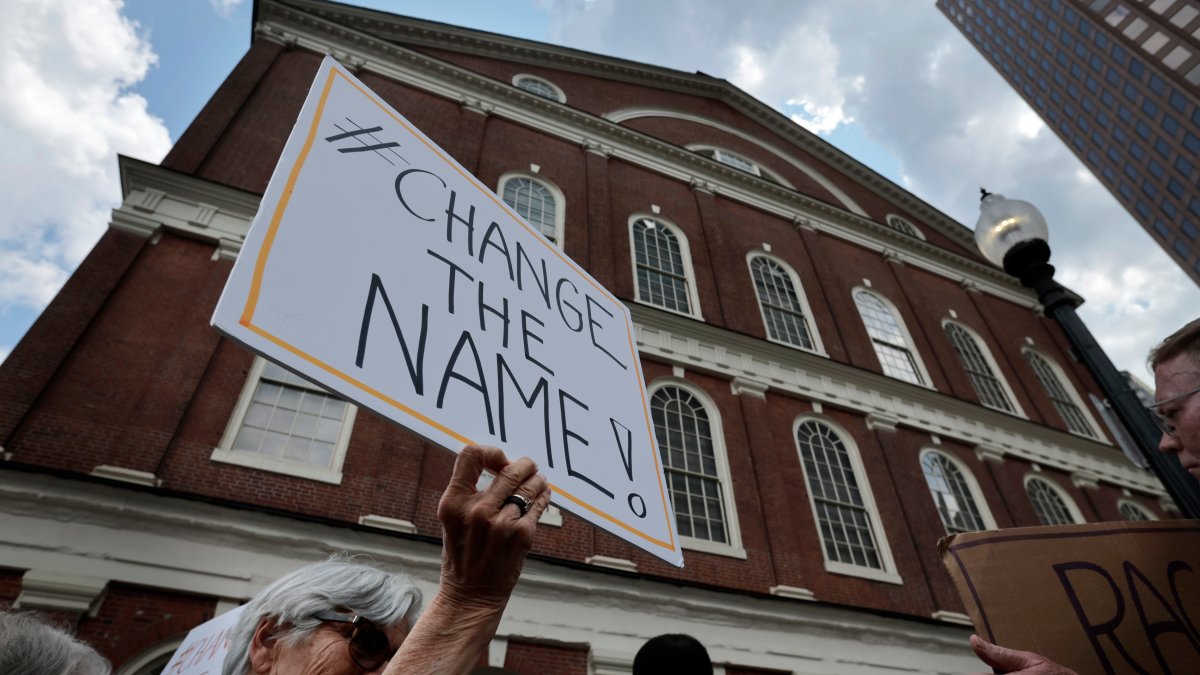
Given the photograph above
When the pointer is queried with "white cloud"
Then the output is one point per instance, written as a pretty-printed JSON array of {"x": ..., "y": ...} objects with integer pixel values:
[
  {"x": 66, "y": 67},
  {"x": 225, "y": 7},
  {"x": 912, "y": 83}
]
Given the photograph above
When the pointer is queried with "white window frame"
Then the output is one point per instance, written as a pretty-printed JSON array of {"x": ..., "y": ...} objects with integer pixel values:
[
  {"x": 1126, "y": 502},
  {"x": 1072, "y": 391},
  {"x": 813, "y": 335},
  {"x": 984, "y": 349},
  {"x": 759, "y": 170},
  {"x": 226, "y": 454},
  {"x": 908, "y": 338},
  {"x": 560, "y": 96},
  {"x": 733, "y": 549},
  {"x": 888, "y": 574},
  {"x": 985, "y": 512},
  {"x": 891, "y": 221},
  {"x": 685, "y": 253},
  {"x": 1076, "y": 514},
  {"x": 560, "y": 201}
]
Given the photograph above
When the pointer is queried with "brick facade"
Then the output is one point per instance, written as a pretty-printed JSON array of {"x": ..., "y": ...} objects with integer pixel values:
[{"x": 123, "y": 369}]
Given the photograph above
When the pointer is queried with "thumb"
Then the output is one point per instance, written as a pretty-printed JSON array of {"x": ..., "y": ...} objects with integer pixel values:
[{"x": 1003, "y": 658}]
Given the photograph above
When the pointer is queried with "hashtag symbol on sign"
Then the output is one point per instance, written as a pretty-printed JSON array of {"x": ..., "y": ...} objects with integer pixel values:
[{"x": 367, "y": 141}]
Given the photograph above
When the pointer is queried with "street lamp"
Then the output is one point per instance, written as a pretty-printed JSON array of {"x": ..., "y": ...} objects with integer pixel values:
[{"x": 1012, "y": 234}]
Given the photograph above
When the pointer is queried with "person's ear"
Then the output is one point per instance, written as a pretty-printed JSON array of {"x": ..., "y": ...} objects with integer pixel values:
[{"x": 264, "y": 647}]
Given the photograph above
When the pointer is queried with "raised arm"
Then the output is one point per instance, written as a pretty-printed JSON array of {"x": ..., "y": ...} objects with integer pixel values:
[{"x": 485, "y": 541}]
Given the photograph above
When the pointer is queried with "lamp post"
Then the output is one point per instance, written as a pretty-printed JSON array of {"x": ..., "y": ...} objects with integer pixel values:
[{"x": 1012, "y": 233}]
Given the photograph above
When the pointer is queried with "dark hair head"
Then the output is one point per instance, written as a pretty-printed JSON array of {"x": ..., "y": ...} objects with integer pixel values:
[
  {"x": 1186, "y": 340},
  {"x": 673, "y": 653}
]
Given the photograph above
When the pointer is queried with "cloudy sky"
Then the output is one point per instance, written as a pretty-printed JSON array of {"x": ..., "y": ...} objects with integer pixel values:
[{"x": 889, "y": 81}]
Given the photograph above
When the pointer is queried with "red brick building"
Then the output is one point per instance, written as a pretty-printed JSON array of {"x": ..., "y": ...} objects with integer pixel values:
[{"x": 838, "y": 378}]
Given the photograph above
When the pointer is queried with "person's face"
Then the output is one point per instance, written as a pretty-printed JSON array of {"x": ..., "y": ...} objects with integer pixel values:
[
  {"x": 325, "y": 652},
  {"x": 1172, "y": 378}
]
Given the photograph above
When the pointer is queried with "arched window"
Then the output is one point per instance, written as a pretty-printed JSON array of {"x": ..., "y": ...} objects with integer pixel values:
[
  {"x": 848, "y": 522},
  {"x": 903, "y": 226},
  {"x": 981, "y": 368},
  {"x": 540, "y": 87},
  {"x": 1052, "y": 505},
  {"x": 1064, "y": 397},
  {"x": 890, "y": 338},
  {"x": 1131, "y": 511},
  {"x": 955, "y": 493},
  {"x": 784, "y": 309},
  {"x": 694, "y": 463},
  {"x": 539, "y": 203},
  {"x": 661, "y": 266}
]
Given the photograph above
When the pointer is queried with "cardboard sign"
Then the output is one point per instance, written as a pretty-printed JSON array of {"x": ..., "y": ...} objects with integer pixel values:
[
  {"x": 203, "y": 650},
  {"x": 1118, "y": 597},
  {"x": 381, "y": 269}
]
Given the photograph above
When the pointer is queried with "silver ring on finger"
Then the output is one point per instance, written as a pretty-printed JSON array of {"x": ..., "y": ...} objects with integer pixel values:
[{"x": 520, "y": 502}]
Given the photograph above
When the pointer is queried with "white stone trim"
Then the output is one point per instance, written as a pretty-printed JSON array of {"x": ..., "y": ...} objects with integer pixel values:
[
  {"x": 667, "y": 338},
  {"x": 888, "y": 573},
  {"x": 611, "y": 563},
  {"x": 952, "y": 617},
  {"x": 685, "y": 252},
  {"x": 984, "y": 349},
  {"x": 1086, "y": 480},
  {"x": 733, "y": 548},
  {"x": 793, "y": 592},
  {"x": 798, "y": 288},
  {"x": 120, "y": 473},
  {"x": 385, "y": 523},
  {"x": 985, "y": 511},
  {"x": 226, "y": 454},
  {"x": 156, "y": 198},
  {"x": 202, "y": 548},
  {"x": 741, "y": 385},
  {"x": 44, "y": 589}
]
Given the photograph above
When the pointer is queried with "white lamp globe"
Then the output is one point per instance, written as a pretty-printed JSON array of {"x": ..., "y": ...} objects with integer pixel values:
[{"x": 1003, "y": 223}]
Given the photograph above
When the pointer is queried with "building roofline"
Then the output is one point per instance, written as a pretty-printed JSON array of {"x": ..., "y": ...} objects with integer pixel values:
[{"x": 410, "y": 30}]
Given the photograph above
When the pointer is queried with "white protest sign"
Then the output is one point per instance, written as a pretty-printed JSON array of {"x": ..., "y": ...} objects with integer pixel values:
[
  {"x": 381, "y": 269},
  {"x": 203, "y": 650}
]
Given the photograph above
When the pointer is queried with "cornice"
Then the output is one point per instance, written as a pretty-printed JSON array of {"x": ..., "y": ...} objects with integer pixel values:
[
  {"x": 155, "y": 197},
  {"x": 287, "y": 25},
  {"x": 885, "y": 402},
  {"x": 401, "y": 29}
]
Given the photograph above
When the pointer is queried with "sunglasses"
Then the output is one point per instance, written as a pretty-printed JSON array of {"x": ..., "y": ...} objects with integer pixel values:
[
  {"x": 1165, "y": 419},
  {"x": 369, "y": 645}
]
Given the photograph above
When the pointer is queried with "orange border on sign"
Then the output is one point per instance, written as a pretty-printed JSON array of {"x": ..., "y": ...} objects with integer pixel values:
[{"x": 247, "y": 317}]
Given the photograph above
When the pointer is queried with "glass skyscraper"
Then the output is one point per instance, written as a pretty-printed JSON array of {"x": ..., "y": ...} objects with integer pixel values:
[{"x": 1119, "y": 82}]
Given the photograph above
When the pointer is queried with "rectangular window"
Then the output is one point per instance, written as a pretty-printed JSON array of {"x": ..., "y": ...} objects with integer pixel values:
[
  {"x": 1130, "y": 92},
  {"x": 1109, "y": 174},
  {"x": 1181, "y": 249},
  {"x": 1184, "y": 16},
  {"x": 1142, "y": 209},
  {"x": 1183, "y": 166},
  {"x": 1178, "y": 101},
  {"x": 1137, "y": 152},
  {"x": 1170, "y": 126},
  {"x": 1175, "y": 188},
  {"x": 1143, "y": 130},
  {"x": 1161, "y": 228},
  {"x": 1150, "y": 109},
  {"x": 1177, "y": 57},
  {"x": 1156, "y": 169},
  {"x": 1168, "y": 208},
  {"x": 286, "y": 424},
  {"x": 1149, "y": 190},
  {"x": 1125, "y": 114},
  {"x": 1189, "y": 230},
  {"x": 1155, "y": 42}
]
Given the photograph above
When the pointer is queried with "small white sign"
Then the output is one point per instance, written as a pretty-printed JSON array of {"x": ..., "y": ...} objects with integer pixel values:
[
  {"x": 203, "y": 650},
  {"x": 380, "y": 268}
]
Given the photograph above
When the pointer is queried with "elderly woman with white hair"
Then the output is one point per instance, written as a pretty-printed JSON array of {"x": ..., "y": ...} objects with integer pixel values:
[
  {"x": 28, "y": 645},
  {"x": 339, "y": 616}
]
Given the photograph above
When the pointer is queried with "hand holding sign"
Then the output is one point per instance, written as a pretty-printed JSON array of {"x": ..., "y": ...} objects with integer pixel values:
[{"x": 382, "y": 270}]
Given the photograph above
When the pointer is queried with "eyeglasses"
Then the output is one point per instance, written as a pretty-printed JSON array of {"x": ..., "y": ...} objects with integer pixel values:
[
  {"x": 1164, "y": 419},
  {"x": 369, "y": 645}
]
